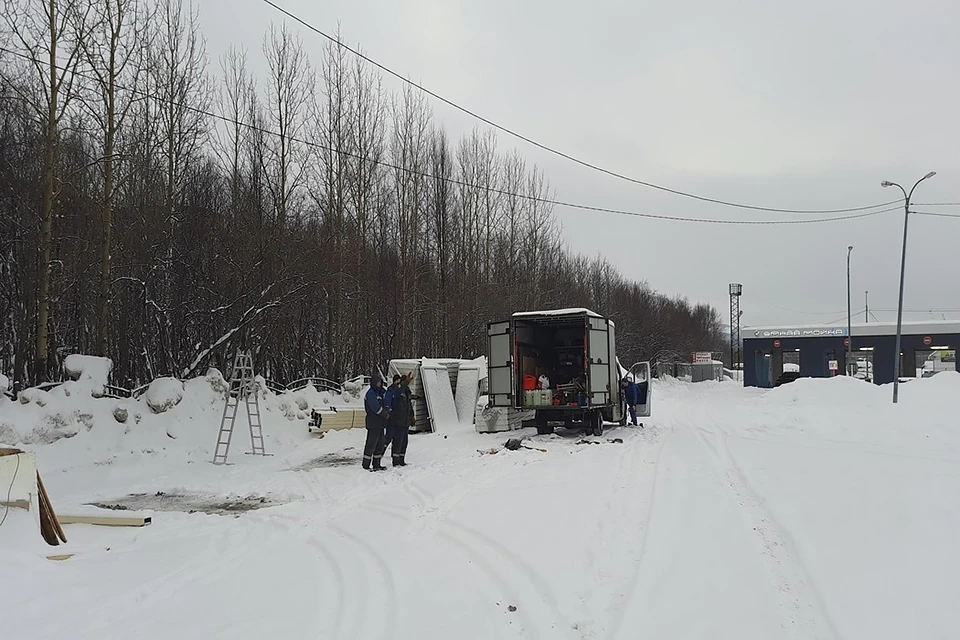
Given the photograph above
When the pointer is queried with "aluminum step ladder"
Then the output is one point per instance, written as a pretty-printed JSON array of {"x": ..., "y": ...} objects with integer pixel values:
[{"x": 242, "y": 389}]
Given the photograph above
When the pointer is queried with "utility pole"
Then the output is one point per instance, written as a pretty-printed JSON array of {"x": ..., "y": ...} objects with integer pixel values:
[
  {"x": 849, "y": 316},
  {"x": 866, "y": 307},
  {"x": 897, "y": 356}
]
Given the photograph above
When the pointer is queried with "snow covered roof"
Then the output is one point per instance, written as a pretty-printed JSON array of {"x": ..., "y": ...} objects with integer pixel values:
[
  {"x": 558, "y": 312},
  {"x": 857, "y": 329}
]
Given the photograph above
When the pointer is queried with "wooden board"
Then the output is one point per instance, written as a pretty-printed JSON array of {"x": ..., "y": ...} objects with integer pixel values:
[
  {"x": 50, "y": 525},
  {"x": 344, "y": 419},
  {"x": 64, "y": 556},
  {"x": 107, "y": 520}
]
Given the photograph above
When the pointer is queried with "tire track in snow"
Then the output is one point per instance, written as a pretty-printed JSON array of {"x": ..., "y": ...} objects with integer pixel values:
[
  {"x": 501, "y": 552},
  {"x": 805, "y": 610},
  {"x": 620, "y": 519},
  {"x": 373, "y": 559},
  {"x": 525, "y": 586},
  {"x": 633, "y": 583},
  {"x": 382, "y": 576}
]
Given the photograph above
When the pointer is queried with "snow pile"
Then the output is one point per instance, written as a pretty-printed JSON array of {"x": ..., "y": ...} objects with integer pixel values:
[
  {"x": 839, "y": 407},
  {"x": 91, "y": 372},
  {"x": 164, "y": 394},
  {"x": 4, "y": 385}
]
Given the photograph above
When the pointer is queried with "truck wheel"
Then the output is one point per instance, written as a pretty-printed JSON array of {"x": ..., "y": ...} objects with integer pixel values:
[
  {"x": 543, "y": 428},
  {"x": 596, "y": 422}
]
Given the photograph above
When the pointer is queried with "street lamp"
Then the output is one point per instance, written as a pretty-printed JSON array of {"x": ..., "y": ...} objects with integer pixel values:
[
  {"x": 849, "y": 317},
  {"x": 903, "y": 264}
]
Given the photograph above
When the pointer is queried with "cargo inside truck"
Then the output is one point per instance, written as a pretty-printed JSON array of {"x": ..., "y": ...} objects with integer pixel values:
[{"x": 555, "y": 347}]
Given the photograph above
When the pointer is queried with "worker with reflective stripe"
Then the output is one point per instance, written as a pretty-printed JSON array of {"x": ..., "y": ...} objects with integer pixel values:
[{"x": 376, "y": 420}]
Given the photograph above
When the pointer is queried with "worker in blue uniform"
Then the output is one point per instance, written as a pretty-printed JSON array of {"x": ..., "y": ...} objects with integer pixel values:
[{"x": 377, "y": 415}]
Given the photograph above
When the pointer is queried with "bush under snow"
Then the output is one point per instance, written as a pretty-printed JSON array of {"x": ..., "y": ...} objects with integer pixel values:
[
  {"x": 91, "y": 372},
  {"x": 163, "y": 394}
]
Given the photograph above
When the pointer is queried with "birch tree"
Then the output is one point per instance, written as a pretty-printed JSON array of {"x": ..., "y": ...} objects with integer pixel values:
[
  {"x": 114, "y": 55},
  {"x": 178, "y": 68},
  {"x": 46, "y": 36},
  {"x": 289, "y": 94}
]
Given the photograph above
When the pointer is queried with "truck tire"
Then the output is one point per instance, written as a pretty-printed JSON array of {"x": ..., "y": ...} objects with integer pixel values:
[
  {"x": 596, "y": 423},
  {"x": 543, "y": 429}
]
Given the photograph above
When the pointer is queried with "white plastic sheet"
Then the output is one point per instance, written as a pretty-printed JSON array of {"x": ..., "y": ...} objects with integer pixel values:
[
  {"x": 439, "y": 393},
  {"x": 468, "y": 391}
]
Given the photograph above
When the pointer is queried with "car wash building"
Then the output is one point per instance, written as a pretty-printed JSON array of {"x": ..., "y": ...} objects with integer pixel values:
[{"x": 774, "y": 355}]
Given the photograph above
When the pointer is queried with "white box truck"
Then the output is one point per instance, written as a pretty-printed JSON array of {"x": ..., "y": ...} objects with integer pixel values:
[{"x": 563, "y": 365}]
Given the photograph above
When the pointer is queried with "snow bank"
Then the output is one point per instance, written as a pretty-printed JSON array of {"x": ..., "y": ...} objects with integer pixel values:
[
  {"x": 91, "y": 372},
  {"x": 163, "y": 394},
  {"x": 4, "y": 385}
]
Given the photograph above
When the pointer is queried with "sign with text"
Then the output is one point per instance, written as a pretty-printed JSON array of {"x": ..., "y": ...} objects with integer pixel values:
[
  {"x": 702, "y": 356},
  {"x": 821, "y": 332},
  {"x": 834, "y": 365}
]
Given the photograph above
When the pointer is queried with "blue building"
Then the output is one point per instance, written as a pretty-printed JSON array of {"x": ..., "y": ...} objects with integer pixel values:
[{"x": 820, "y": 352}]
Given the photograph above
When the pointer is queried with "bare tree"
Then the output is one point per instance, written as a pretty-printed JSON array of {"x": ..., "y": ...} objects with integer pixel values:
[
  {"x": 409, "y": 157},
  {"x": 235, "y": 92},
  {"x": 47, "y": 38},
  {"x": 289, "y": 94},
  {"x": 181, "y": 94},
  {"x": 114, "y": 53}
]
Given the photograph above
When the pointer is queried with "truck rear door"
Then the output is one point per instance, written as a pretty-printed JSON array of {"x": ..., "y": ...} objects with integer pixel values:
[
  {"x": 640, "y": 373},
  {"x": 500, "y": 374},
  {"x": 598, "y": 353}
]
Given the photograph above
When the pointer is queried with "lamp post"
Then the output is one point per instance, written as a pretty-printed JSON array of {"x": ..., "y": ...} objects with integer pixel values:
[
  {"x": 903, "y": 263},
  {"x": 849, "y": 313}
]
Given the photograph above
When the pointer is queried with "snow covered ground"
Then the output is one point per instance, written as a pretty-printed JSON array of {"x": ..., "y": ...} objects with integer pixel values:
[{"x": 815, "y": 510}]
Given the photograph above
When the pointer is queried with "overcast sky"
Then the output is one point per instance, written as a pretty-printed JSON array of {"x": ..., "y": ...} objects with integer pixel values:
[{"x": 799, "y": 105}]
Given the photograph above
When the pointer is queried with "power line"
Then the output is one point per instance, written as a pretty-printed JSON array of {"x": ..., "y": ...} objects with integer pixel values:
[
  {"x": 553, "y": 150},
  {"x": 807, "y": 313},
  {"x": 937, "y": 215},
  {"x": 493, "y": 190},
  {"x": 853, "y": 312},
  {"x": 938, "y": 204}
]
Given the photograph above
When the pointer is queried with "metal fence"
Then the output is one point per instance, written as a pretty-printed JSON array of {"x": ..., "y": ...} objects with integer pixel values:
[{"x": 116, "y": 391}]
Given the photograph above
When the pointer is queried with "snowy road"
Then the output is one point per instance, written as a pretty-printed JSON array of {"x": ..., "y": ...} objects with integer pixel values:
[{"x": 800, "y": 513}]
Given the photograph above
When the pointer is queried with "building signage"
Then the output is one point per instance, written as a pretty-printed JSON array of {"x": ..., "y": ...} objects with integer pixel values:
[
  {"x": 776, "y": 344},
  {"x": 834, "y": 365},
  {"x": 702, "y": 356},
  {"x": 824, "y": 332}
]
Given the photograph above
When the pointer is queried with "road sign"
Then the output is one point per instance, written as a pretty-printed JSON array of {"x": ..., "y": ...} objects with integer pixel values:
[
  {"x": 927, "y": 340},
  {"x": 834, "y": 365},
  {"x": 776, "y": 344},
  {"x": 846, "y": 342}
]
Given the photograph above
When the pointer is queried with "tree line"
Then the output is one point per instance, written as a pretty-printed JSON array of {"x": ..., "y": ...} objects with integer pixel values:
[{"x": 164, "y": 211}]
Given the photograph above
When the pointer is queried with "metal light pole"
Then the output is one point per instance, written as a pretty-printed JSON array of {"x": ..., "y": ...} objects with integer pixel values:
[
  {"x": 903, "y": 264},
  {"x": 849, "y": 316}
]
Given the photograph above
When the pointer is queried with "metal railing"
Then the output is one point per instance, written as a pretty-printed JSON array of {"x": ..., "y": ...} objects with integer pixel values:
[{"x": 121, "y": 393}]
